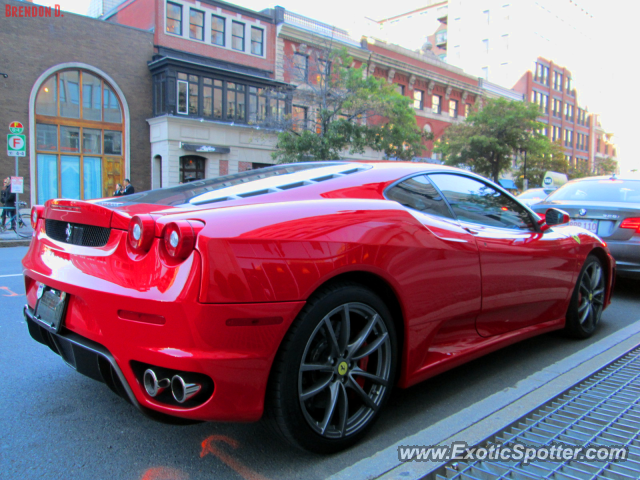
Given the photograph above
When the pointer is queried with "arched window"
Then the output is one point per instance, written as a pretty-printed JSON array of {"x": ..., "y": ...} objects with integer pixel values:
[{"x": 80, "y": 135}]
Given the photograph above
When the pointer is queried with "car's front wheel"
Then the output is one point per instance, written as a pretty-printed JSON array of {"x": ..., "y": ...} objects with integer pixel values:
[
  {"x": 587, "y": 302},
  {"x": 334, "y": 371}
]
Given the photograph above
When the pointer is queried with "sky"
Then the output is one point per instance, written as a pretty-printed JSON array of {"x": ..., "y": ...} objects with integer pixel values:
[{"x": 605, "y": 78}]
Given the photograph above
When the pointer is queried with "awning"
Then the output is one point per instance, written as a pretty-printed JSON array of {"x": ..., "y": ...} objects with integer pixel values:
[
  {"x": 192, "y": 147},
  {"x": 508, "y": 184}
]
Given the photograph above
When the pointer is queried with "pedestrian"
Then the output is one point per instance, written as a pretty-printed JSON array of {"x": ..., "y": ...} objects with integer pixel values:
[
  {"x": 118, "y": 192},
  {"x": 128, "y": 188},
  {"x": 9, "y": 202}
]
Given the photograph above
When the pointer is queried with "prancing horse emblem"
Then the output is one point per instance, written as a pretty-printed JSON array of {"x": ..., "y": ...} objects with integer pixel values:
[{"x": 69, "y": 232}]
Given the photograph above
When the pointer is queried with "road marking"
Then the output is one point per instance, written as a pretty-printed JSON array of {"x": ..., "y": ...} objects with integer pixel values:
[
  {"x": 209, "y": 447},
  {"x": 14, "y": 275},
  {"x": 164, "y": 473},
  {"x": 12, "y": 294}
]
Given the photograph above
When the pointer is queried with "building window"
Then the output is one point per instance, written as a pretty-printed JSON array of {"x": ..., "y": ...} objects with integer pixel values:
[
  {"x": 568, "y": 87},
  {"x": 557, "y": 108},
  {"x": 174, "y": 18},
  {"x": 300, "y": 67},
  {"x": 77, "y": 156},
  {"x": 568, "y": 138},
  {"x": 196, "y": 24},
  {"x": 556, "y": 133},
  {"x": 418, "y": 99},
  {"x": 557, "y": 81},
  {"x": 191, "y": 168},
  {"x": 436, "y": 104},
  {"x": 453, "y": 108},
  {"x": 257, "y": 40},
  {"x": 568, "y": 112},
  {"x": 542, "y": 74},
  {"x": 299, "y": 118},
  {"x": 159, "y": 94},
  {"x": 236, "y": 106},
  {"x": 400, "y": 89},
  {"x": 467, "y": 109},
  {"x": 217, "y": 30},
  {"x": 237, "y": 36},
  {"x": 188, "y": 89}
]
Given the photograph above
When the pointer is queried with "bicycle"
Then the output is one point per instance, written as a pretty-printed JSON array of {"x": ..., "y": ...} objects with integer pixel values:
[{"x": 16, "y": 222}]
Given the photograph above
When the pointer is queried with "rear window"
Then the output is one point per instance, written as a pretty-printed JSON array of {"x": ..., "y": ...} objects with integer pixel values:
[
  {"x": 605, "y": 190},
  {"x": 244, "y": 184}
]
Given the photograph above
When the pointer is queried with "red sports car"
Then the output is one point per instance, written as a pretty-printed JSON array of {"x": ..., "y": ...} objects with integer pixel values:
[{"x": 303, "y": 292}]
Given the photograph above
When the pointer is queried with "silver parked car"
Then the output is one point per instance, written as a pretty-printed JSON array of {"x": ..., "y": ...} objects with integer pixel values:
[{"x": 608, "y": 207}]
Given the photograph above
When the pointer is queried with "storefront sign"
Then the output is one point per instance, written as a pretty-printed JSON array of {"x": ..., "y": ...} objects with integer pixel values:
[{"x": 204, "y": 148}]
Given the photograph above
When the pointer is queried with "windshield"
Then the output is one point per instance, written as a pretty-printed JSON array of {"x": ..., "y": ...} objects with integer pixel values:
[
  {"x": 243, "y": 184},
  {"x": 603, "y": 190}
]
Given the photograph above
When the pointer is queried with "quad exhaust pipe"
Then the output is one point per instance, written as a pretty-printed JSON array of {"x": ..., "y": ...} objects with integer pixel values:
[
  {"x": 152, "y": 385},
  {"x": 181, "y": 390}
]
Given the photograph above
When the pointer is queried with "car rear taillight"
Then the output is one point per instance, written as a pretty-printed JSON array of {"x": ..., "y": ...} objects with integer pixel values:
[
  {"x": 36, "y": 213},
  {"x": 142, "y": 229},
  {"x": 632, "y": 223},
  {"x": 179, "y": 239}
]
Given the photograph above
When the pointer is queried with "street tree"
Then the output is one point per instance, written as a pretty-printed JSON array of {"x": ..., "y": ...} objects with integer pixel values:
[
  {"x": 488, "y": 139},
  {"x": 607, "y": 166},
  {"x": 341, "y": 108},
  {"x": 542, "y": 156}
]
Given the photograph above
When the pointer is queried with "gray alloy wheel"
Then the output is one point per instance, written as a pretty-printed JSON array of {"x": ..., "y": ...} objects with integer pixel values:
[
  {"x": 339, "y": 393},
  {"x": 587, "y": 301},
  {"x": 334, "y": 370}
]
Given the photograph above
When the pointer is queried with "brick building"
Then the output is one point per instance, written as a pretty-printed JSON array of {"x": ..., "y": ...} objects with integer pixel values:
[
  {"x": 442, "y": 94},
  {"x": 214, "y": 89},
  {"x": 82, "y": 94},
  {"x": 550, "y": 86}
]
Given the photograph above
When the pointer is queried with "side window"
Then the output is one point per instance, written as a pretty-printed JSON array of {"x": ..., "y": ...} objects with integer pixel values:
[
  {"x": 418, "y": 193},
  {"x": 476, "y": 202}
]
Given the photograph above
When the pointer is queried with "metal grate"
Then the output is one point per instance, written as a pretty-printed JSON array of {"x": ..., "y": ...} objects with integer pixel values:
[
  {"x": 77, "y": 234},
  {"x": 602, "y": 410}
]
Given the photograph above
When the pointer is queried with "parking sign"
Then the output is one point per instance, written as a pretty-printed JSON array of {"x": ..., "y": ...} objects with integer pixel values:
[{"x": 17, "y": 145}]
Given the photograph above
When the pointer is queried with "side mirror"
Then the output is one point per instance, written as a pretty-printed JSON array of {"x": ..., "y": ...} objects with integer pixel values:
[{"x": 555, "y": 216}]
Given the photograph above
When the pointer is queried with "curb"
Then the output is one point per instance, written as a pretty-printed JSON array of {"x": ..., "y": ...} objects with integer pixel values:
[
  {"x": 14, "y": 243},
  {"x": 486, "y": 417}
]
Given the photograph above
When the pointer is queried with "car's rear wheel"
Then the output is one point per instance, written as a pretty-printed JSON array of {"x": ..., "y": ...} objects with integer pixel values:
[
  {"x": 587, "y": 301},
  {"x": 334, "y": 371}
]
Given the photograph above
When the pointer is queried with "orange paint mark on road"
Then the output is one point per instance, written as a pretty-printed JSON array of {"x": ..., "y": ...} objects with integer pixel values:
[
  {"x": 11, "y": 294},
  {"x": 209, "y": 447},
  {"x": 164, "y": 473}
]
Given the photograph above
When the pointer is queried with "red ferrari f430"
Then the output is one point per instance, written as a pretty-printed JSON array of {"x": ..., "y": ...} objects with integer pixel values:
[{"x": 303, "y": 293}]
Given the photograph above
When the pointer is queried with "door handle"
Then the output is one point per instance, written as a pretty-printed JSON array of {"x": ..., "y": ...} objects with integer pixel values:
[{"x": 472, "y": 232}]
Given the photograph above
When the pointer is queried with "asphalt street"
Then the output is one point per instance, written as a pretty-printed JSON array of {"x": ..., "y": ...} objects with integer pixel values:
[{"x": 56, "y": 423}]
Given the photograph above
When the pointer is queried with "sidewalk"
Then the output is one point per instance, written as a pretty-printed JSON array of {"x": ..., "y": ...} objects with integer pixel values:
[
  {"x": 9, "y": 238},
  {"x": 526, "y": 411}
]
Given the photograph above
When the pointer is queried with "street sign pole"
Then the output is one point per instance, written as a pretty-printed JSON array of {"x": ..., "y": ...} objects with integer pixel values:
[{"x": 16, "y": 128}]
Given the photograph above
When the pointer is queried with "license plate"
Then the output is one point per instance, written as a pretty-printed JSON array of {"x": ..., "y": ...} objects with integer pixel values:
[
  {"x": 50, "y": 307},
  {"x": 591, "y": 225}
]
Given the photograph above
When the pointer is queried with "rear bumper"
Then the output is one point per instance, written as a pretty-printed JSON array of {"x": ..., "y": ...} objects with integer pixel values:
[{"x": 229, "y": 344}]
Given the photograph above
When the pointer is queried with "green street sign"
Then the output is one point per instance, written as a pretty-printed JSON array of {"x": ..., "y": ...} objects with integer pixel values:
[{"x": 17, "y": 145}]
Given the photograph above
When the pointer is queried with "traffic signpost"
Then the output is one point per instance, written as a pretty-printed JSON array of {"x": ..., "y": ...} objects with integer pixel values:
[{"x": 16, "y": 147}]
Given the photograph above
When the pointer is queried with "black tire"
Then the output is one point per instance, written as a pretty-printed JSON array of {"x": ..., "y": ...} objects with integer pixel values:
[
  {"x": 587, "y": 301},
  {"x": 330, "y": 403}
]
